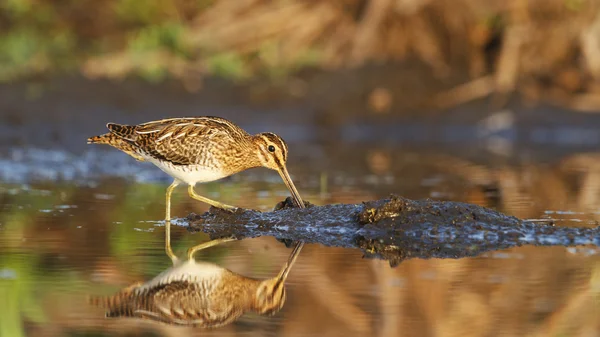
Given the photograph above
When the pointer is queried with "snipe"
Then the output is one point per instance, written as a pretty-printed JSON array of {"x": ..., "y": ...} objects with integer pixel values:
[
  {"x": 199, "y": 294},
  {"x": 197, "y": 150}
]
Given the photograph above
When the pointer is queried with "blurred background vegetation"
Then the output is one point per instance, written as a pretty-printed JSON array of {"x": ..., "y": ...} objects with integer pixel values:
[
  {"x": 541, "y": 48},
  {"x": 61, "y": 241}
]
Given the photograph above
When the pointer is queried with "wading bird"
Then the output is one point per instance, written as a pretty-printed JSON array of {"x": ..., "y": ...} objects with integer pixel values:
[
  {"x": 198, "y": 150},
  {"x": 199, "y": 294}
]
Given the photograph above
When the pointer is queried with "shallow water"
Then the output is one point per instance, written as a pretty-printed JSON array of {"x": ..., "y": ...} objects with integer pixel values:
[
  {"x": 64, "y": 241},
  {"x": 78, "y": 221}
]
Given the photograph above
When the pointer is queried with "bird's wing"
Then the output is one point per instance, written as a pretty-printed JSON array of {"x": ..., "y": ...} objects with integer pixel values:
[
  {"x": 183, "y": 141},
  {"x": 184, "y": 303}
]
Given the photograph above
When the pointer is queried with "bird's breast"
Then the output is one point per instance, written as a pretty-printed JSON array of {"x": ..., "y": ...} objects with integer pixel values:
[
  {"x": 191, "y": 174},
  {"x": 188, "y": 271}
]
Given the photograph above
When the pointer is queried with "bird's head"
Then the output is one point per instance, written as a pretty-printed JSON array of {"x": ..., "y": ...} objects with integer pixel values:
[
  {"x": 270, "y": 295},
  {"x": 272, "y": 153}
]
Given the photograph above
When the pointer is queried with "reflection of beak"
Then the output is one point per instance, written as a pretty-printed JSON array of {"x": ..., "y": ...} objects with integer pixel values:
[
  {"x": 283, "y": 274},
  {"x": 290, "y": 185}
]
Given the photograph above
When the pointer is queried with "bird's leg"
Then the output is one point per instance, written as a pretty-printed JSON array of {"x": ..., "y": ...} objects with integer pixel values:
[
  {"x": 208, "y": 244},
  {"x": 168, "y": 249},
  {"x": 209, "y": 201}
]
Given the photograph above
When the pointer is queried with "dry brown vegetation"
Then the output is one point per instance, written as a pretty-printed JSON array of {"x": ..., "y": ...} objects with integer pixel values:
[{"x": 547, "y": 49}]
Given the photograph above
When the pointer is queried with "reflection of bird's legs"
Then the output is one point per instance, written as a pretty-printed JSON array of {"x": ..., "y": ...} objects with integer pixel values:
[
  {"x": 168, "y": 249},
  {"x": 209, "y": 201},
  {"x": 208, "y": 244}
]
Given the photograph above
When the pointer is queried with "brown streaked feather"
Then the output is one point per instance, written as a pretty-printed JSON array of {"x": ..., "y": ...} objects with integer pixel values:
[
  {"x": 117, "y": 304},
  {"x": 117, "y": 142},
  {"x": 176, "y": 302},
  {"x": 182, "y": 141},
  {"x": 126, "y": 132}
]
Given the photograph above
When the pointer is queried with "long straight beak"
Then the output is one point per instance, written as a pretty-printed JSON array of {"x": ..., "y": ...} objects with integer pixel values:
[
  {"x": 283, "y": 274},
  {"x": 290, "y": 185}
]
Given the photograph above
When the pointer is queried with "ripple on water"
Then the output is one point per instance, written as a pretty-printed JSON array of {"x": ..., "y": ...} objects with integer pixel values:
[{"x": 31, "y": 164}]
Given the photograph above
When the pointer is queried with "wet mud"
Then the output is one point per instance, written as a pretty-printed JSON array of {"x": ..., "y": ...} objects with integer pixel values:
[{"x": 393, "y": 229}]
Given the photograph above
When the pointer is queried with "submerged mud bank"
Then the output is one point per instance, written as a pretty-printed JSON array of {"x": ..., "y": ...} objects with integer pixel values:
[{"x": 393, "y": 229}]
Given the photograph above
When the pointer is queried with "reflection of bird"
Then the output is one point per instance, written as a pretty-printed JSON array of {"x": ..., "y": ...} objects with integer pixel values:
[
  {"x": 200, "y": 294},
  {"x": 196, "y": 150}
]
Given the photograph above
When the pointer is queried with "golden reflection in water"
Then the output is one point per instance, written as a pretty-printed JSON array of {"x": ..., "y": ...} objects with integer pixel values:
[
  {"x": 200, "y": 294},
  {"x": 522, "y": 291},
  {"x": 527, "y": 191}
]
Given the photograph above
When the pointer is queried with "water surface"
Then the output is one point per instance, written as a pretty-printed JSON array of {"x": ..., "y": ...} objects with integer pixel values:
[
  {"x": 63, "y": 241},
  {"x": 78, "y": 220}
]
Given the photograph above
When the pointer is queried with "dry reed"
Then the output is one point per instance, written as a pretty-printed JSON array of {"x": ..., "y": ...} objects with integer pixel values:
[{"x": 539, "y": 48}]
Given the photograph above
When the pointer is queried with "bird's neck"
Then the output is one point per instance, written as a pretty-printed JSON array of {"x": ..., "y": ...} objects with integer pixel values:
[
  {"x": 247, "y": 293},
  {"x": 252, "y": 157},
  {"x": 245, "y": 157}
]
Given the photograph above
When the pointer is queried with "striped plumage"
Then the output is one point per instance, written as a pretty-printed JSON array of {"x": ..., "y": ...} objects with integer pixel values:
[
  {"x": 199, "y": 149},
  {"x": 197, "y": 143},
  {"x": 199, "y": 294}
]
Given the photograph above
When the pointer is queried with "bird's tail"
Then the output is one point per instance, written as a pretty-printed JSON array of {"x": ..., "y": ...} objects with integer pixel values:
[
  {"x": 106, "y": 138},
  {"x": 122, "y": 303},
  {"x": 117, "y": 142},
  {"x": 116, "y": 305},
  {"x": 117, "y": 131}
]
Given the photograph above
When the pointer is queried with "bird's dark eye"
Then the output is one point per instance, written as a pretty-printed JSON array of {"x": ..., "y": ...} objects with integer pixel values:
[{"x": 271, "y": 148}]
